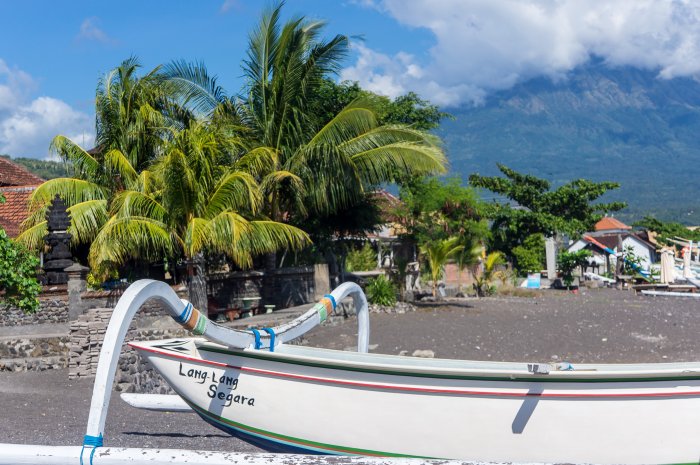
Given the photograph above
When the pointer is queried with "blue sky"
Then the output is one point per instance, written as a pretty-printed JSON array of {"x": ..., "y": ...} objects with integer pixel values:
[{"x": 453, "y": 52}]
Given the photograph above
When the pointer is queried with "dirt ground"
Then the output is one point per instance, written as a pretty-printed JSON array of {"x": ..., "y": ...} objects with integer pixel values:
[{"x": 593, "y": 326}]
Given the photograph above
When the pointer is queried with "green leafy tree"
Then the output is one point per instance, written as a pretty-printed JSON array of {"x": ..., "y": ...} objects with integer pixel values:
[
  {"x": 408, "y": 109},
  {"x": 568, "y": 262},
  {"x": 667, "y": 230},
  {"x": 533, "y": 208},
  {"x": 438, "y": 209},
  {"x": 434, "y": 210},
  {"x": 530, "y": 256},
  {"x": 18, "y": 284}
]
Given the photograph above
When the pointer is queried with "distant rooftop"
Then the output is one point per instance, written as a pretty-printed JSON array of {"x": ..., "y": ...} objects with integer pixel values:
[
  {"x": 15, "y": 175},
  {"x": 609, "y": 224},
  {"x": 16, "y": 185}
]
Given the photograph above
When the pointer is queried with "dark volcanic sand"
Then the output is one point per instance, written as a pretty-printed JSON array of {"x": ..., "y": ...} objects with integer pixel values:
[{"x": 597, "y": 325}]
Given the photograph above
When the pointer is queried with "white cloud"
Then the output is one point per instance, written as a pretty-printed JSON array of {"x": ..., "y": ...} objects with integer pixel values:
[
  {"x": 27, "y": 125},
  {"x": 486, "y": 45},
  {"x": 90, "y": 31}
]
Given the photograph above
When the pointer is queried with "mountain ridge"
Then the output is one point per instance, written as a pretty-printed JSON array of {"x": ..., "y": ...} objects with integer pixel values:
[{"x": 619, "y": 124}]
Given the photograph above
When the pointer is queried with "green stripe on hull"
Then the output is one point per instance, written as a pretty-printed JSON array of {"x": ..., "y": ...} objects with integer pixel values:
[
  {"x": 538, "y": 379},
  {"x": 331, "y": 448}
]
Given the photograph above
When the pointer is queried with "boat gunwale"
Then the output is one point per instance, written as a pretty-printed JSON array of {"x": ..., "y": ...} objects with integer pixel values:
[{"x": 638, "y": 373}]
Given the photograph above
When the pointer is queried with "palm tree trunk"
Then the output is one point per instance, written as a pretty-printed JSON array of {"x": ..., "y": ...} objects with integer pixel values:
[{"x": 197, "y": 283}]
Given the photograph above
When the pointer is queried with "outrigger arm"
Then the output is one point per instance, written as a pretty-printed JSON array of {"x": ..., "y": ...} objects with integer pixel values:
[{"x": 195, "y": 321}]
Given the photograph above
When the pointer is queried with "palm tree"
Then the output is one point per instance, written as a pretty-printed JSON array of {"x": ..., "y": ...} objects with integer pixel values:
[
  {"x": 306, "y": 167},
  {"x": 132, "y": 115},
  {"x": 437, "y": 253},
  {"x": 199, "y": 203},
  {"x": 489, "y": 273}
]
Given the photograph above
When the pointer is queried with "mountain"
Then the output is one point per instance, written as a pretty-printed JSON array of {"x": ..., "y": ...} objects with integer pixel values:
[{"x": 619, "y": 124}]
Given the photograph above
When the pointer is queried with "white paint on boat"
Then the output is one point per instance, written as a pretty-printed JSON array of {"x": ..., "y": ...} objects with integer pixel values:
[
  {"x": 484, "y": 411},
  {"x": 156, "y": 402}
]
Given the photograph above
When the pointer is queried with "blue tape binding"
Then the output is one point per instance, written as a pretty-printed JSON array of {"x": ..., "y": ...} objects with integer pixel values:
[
  {"x": 258, "y": 344},
  {"x": 91, "y": 441},
  {"x": 271, "y": 332},
  {"x": 185, "y": 315},
  {"x": 332, "y": 299}
]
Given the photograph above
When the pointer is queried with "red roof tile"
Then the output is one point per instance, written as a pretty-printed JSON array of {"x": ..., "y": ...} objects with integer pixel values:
[
  {"x": 15, "y": 175},
  {"x": 608, "y": 223},
  {"x": 14, "y": 211}
]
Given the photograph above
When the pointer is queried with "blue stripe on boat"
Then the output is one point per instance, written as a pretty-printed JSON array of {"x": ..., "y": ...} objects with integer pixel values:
[{"x": 263, "y": 442}]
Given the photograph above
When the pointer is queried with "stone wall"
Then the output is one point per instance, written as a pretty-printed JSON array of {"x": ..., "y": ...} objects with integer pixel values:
[
  {"x": 33, "y": 354},
  {"x": 51, "y": 310},
  {"x": 133, "y": 374}
]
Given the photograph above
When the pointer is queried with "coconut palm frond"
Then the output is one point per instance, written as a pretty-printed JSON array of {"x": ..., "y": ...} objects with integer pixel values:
[
  {"x": 134, "y": 203},
  {"x": 131, "y": 237},
  {"x": 276, "y": 178},
  {"x": 354, "y": 120},
  {"x": 33, "y": 237},
  {"x": 192, "y": 84},
  {"x": 226, "y": 231},
  {"x": 258, "y": 161},
  {"x": 84, "y": 164},
  {"x": 385, "y": 135},
  {"x": 266, "y": 236},
  {"x": 71, "y": 190},
  {"x": 197, "y": 237},
  {"x": 384, "y": 163},
  {"x": 119, "y": 164},
  {"x": 86, "y": 219},
  {"x": 235, "y": 191}
]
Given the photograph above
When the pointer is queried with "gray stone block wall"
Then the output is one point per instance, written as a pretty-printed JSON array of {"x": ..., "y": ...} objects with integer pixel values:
[
  {"x": 51, "y": 310},
  {"x": 133, "y": 374}
]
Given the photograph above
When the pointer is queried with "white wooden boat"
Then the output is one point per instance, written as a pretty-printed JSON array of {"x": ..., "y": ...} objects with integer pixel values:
[
  {"x": 302, "y": 399},
  {"x": 314, "y": 400}
]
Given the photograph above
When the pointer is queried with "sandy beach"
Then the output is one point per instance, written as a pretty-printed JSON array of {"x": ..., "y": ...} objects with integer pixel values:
[{"x": 593, "y": 326}]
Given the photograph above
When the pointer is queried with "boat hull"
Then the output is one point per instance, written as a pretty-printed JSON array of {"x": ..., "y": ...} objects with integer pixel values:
[{"x": 329, "y": 402}]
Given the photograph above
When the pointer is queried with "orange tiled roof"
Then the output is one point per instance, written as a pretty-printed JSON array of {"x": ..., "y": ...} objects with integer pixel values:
[
  {"x": 15, "y": 175},
  {"x": 14, "y": 211},
  {"x": 608, "y": 223}
]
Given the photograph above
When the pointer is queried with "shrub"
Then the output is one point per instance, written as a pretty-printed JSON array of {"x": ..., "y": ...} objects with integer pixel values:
[
  {"x": 364, "y": 259},
  {"x": 381, "y": 291},
  {"x": 18, "y": 276}
]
